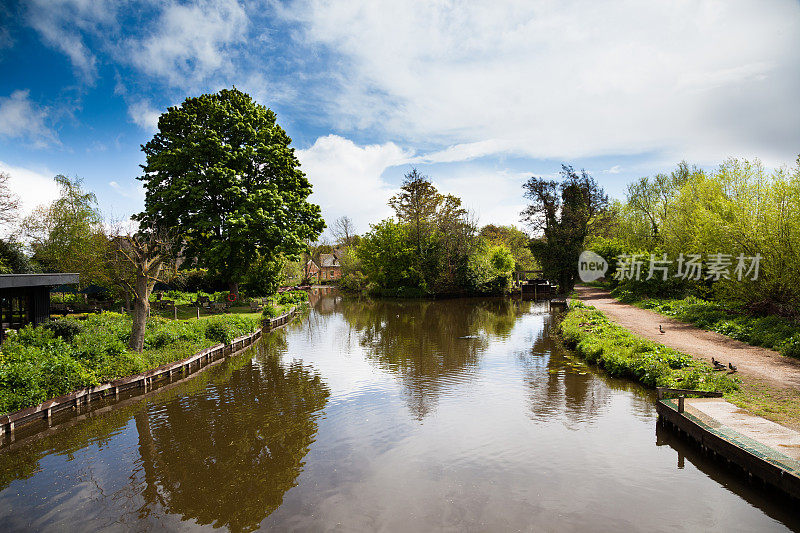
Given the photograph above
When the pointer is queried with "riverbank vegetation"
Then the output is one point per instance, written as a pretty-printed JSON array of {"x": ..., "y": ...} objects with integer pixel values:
[
  {"x": 42, "y": 362},
  {"x": 224, "y": 195},
  {"x": 623, "y": 354},
  {"x": 431, "y": 247},
  {"x": 743, "y": 224}
]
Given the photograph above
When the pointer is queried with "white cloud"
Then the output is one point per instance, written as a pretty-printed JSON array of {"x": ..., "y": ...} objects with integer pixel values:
[
  {"x": 566, "y": 79},
  {"x": 191, "y": 41},
  {"x": 613, "y": 170},
  {"x": 144, "y": 115},
  {"x": 22, "y": 118},
  {"x": 33, "y": 187},
  {"x": 132, "y": 191},
  {"x": 494, "y": 197},
  {"x": 63, "y": 24},
  {"x": 347, "y": 178}
]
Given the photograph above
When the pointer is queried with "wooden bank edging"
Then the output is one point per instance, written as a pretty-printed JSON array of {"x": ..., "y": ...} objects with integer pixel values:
[
  {"x": 143, "y": 381},
  {"x": 754, "y": 458}
]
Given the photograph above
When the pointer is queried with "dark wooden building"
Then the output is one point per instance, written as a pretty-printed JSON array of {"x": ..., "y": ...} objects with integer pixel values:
[{"x": 25, "y": 298}]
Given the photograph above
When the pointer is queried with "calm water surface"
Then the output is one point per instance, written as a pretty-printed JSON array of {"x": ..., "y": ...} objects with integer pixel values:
[{"x": 393, "y": 416}]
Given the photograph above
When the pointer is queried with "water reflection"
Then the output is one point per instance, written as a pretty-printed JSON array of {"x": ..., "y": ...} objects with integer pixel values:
[
  {"x": 245, "y": 445},
  {"x": 430, "y": 345},
  {"x": 231, "y": 467},
  {"x": 210, "y": 458}
]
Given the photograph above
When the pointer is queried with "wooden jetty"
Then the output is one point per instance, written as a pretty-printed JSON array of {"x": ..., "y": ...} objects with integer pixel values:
[{"x": 760, "y": 448}]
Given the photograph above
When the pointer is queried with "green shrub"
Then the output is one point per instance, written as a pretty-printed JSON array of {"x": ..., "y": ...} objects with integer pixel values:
[
  {"x": 35, "y": 366},
  {"x": 65, "y": 328},
  {"x": 271, "y": 311},
  {"x": 293, "y": 298},
  {"x": 791, "y": 346},
  {"x": 38, "y": 363}
]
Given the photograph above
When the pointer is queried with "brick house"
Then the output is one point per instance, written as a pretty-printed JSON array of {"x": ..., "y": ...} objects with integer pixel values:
[
  {"x": 330, "y": 268},
  {"x": 311, "y": 271}
]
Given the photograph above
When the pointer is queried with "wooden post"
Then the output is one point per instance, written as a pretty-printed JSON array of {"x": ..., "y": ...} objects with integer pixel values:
[
  {"x": 198, "y": 311},
  {"x": 680, "y": 404},
  {"x": 174, "y": 311}
]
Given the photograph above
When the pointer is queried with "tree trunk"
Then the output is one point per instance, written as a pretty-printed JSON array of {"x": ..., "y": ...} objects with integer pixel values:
[
  {"x": 233, "y": 286},
  {"x": 141, "y": 308}
]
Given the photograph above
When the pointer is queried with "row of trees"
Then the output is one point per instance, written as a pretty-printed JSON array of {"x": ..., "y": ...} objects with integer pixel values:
[
  {"x": 739, "y": 208},
  {"x": 431, "y": 246}
]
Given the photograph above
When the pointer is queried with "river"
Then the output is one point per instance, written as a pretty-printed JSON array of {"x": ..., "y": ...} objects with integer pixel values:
[{"x": 383, "y": 415}]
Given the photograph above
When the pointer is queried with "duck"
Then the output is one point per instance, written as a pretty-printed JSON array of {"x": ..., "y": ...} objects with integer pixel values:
[
  {"x": 718, "y": 365},
  {"x": 660, "y": 329},
  {"x": 732, "y": 367}
]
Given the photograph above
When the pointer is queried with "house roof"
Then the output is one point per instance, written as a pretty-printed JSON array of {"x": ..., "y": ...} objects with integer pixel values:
[
  {"x": 328, "y": 260},
  {"x": 11, "y": 281}
]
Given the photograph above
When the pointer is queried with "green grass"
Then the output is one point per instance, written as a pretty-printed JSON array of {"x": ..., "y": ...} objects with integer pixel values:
[
  {"x": 774, "y": 332},
  {"x": 39, "y": 363},
  {"x": 623, "y": 354},
  {"x": 282, "y": 303},
  {"x": 781, "y": 405}
]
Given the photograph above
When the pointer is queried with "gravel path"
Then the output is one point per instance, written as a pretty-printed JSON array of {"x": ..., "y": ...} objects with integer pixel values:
[{"x": 765, "y": 365}]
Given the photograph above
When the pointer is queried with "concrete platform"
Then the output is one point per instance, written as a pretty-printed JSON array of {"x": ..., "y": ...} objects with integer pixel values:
[{"x": 760, "y": 447}]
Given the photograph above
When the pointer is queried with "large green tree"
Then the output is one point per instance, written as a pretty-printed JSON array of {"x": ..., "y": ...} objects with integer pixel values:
[
  {"x": 561, "y": 214},
  {"x": 220, "y": 172},
  {"x": 440, "y": 229}
]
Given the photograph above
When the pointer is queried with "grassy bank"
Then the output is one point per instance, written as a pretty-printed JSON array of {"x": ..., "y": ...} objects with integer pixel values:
[
  {"x": 282, "y": 303},
  {"x": 774, "y": 332},
  {"x": 39, "y": 363},
  {"x": 623, "y": 354}
]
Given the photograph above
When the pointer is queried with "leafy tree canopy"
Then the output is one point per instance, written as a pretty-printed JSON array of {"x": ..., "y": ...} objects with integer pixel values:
[
  {"x": 68, "y": 235},
  {"x": 562, "y": 213},
  {"x": 221, "y": 173},
  {"x": 516, "y": 240}
]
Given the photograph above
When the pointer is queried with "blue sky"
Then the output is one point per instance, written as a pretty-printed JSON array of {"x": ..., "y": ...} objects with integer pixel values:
[{"x": 478, "y": 95}]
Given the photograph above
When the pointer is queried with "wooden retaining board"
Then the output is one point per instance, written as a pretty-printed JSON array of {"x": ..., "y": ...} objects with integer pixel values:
[
  {"x": 45, "y": 410},
  {"x": 754, "y": 457}
]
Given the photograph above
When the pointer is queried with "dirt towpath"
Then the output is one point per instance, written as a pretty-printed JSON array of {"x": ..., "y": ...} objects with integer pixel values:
[{"x": 765, "y": 365}]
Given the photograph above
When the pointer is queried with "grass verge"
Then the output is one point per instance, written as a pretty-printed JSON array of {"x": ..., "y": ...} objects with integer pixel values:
[{"x": 623, "y": 354}]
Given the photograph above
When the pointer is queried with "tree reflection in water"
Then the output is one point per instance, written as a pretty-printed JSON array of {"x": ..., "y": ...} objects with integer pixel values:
[
  {"x": 430, "y": 345},
  {"x": 560, "y": 383},
  {"x": 231, "y": 467}
]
